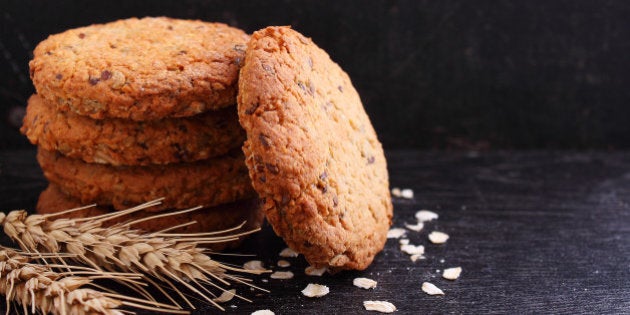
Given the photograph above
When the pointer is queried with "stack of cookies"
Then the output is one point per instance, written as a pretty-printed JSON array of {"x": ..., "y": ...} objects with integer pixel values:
[{"x": 139, "y": 109}]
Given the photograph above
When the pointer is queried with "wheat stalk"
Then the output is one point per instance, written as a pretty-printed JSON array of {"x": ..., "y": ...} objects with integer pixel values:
[
  {"x": 164, "y": 256},
  {"x": 50, "y": 292}
]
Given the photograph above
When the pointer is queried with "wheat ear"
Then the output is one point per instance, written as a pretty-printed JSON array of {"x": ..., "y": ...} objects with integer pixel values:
[
  {"x": 166, "y": 257},
  {"x": 50, "y": 292}
]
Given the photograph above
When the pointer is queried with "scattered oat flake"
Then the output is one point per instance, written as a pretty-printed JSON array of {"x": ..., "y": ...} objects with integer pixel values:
[
  {"x": 253, "y": 265},
  {"x": 263, "y": 312},
  {"x": 431, "y": 289},
  {"x": 437, "y": 237},
  {"x": 452, "y": 273},
  {"x": 404, "y": 241},
  {"x": 283, "y": 263},
  {"x": 417, "y": 227},
  {"x": 406, "y": 193},
  {"x": 396, "y": 192},
  {"x": 287, "y": 252},
  {"x": 426, "y": 215},
  {"x": 312, "y": 271},
  {"x": 412, "y": 249},
  {"x": 315, "y": 290},
  {"x": 396, "y": 232},
  {"x": 379, "y": 306},
  {"x": 415, "y": 257},
  {"x": 364, "y": 283},
  {"x": 281, "y": 275},
  {"x": 225, "y": 296}
]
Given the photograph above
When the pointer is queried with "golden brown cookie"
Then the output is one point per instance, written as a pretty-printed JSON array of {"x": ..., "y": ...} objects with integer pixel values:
[
  {"x": 204, "y": 183},
  {"x": 221, "y": 217},
  {"x": 126, "y": 142},
  {"x": 140, "y": 69},
  {"x": 312, "y": 152}
]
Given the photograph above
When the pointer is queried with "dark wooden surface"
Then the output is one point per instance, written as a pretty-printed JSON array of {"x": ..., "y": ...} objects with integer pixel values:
[{"x": 535, "y": 232}]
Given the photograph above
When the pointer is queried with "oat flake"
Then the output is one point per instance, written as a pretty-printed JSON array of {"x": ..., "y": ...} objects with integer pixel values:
[
  {"x": 412, "y": 249},
  {"x": 263, "y": 312},
  {"x": 287, "y": 252},
  {"x": 364, "y": 283},
  {"x": 379, "y": 306},
  {"x": 225, "y": 296},
  {"x": 253, "y": 265},
  {"x": 315, "y": 290},
  {"x": 406, "y": 193},
  {"x": 312, "y": 271},
  {"x": 281, "y": 275},
  {"x": 431, "y": 289},
  {"x": 415, "y": 257},
  {"x": 403, "y": 241},
  {"x": 283, "y": 263},
  {"x": 452, "y": 273},
  {"x": 396, "y": 232},
  {"x": 416, "y": 228},
  {"x": 396, "y": 192},
  {"x": 426, "y": 215},
  {"x": 437, "y": 237}
]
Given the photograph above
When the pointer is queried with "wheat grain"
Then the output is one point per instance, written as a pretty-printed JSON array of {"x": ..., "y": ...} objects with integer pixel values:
[
  {"x": 46, "y": 291},
  {"x": 167, "y": 257}
]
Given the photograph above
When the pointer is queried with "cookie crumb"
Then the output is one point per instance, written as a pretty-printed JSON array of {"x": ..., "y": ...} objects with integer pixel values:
[
  {"x": 364, "y": 283},
  {"x": 287, "y": 252},
  {"x": 379, "y": 306},
  {"x": 315, "y": 290},
  {"x": 406, "y": 193},
  {"x": 396, "y": 192},
  {"x": 312, "y": 271},
  {"x": 426, "y": 215},
  {"x": 282, "y": 275},
  {"x": 412, "y": 249},
  {"x": 396, "y": 232},
  {"x": 225, "y": 296},
  {"x": 452, "y": 273},
  {"x": 253, "y": 265},
  {"x": 437, "y": 237},
  {"x": 417, "y": 227},
  {"x": 263, "y": 312},
  {"x": 431, "y": 289},
  {"x": 283, "y": 263}
]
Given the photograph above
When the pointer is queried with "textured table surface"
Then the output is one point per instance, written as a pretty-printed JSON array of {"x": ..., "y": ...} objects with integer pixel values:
[{"x": 535, "y": 232}]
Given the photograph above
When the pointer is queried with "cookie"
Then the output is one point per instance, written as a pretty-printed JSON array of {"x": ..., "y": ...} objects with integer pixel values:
[
  {"x": 312, "y": 153},
  {"x": 140, "y": 69},
  {"x": 204, "y": 183},
  {"x": 221, "y": 217},
  {"x": 125, "y": 142}
]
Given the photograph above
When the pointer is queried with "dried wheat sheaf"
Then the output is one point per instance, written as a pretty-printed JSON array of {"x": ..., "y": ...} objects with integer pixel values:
[
  {"x": 169, "y": 258},
  {"x": 46, "y": 291}
]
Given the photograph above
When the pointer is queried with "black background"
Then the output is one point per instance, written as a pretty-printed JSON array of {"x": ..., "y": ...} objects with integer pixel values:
[{"x": 432, "y": 74}]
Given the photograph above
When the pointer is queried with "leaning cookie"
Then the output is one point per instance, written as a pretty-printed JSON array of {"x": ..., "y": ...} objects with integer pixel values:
[
  {"x": 125, "y": 142},
  {"x": 140, "y": 69},
  {"x": 206, "y": 183},
  {"x": 221, "y": 217},
  {"x": 312, "y": 152}
]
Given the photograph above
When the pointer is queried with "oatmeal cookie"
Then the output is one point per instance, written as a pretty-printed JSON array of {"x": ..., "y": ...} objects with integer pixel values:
[
  {"x": 312, "y": 153},
  {"x": 204, "y": 183},
  {"x": 140, "y": 69},
  {"x": 125, "y": 142}
]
